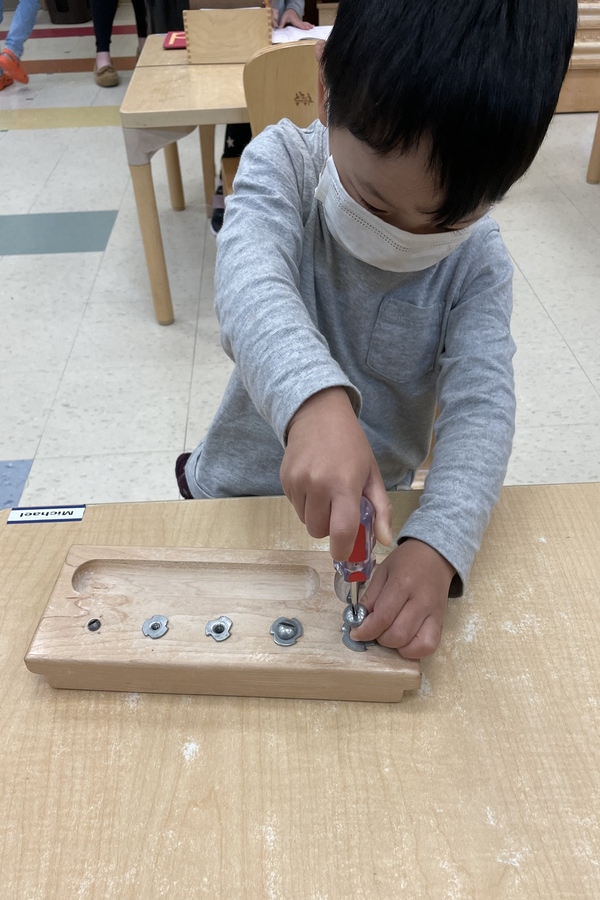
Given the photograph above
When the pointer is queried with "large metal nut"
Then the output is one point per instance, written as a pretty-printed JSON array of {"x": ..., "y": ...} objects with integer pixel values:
[
  {"x": 355, "y": 620},
  {"x": 286, "y": 631}
]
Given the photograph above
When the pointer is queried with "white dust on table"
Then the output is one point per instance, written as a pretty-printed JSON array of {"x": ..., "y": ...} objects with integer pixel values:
[
  {"x": 528, "y": 623},
  {"x": 269, "y": 839},
  {"x": 425, "y": 690},
  {"x": 542, "y": 540},
  {"x": 470, "y": 628},
  {"x": 132, "y": 700},
  {"x": 190, "y": 751},
  {"x": 455, "y": 886},
  {"x": 512, "y": 857},
  {"x": 489, "y": 814}
]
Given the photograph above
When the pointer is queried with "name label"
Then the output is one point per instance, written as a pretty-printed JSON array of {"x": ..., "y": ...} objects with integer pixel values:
[{"x": 22, "y": 514}]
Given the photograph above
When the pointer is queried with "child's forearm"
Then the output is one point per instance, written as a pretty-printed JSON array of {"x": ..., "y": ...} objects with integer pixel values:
[
  {"x": 475, "y": 426},
  {"x": 281, "y": 356}
]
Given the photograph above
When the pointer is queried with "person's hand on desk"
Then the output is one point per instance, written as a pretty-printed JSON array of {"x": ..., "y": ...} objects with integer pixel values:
[
  {"x": 327, "y": 466},
  {"x": 407, "y": 599},
  {"x": 289, "y": 17}
]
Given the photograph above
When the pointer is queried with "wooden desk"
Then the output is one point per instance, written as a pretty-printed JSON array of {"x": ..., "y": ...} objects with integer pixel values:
[
  {"x": 167, "y": 93},
  {"x": 154, "y": 54},
  {"x": 485, "y": 785}
]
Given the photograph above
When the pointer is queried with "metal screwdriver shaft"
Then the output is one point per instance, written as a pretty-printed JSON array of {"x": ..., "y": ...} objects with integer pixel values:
[{"x": 353, "y": 574}]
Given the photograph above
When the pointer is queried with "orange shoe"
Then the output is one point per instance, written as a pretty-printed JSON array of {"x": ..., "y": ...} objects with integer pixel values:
[
  {"x": 5, "y": 81},
  {"x": 12, "y": 67}
]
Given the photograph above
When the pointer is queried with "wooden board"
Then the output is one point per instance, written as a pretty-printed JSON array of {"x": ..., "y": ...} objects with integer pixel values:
[
  {"x": 124, "y": 587},
  {"x": 225, "y": 35}
]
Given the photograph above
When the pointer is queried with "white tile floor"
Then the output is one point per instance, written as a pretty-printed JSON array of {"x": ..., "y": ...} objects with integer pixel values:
[{"x": 103, "y": 399}]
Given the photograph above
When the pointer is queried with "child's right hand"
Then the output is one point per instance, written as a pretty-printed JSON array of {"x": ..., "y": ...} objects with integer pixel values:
[{"x": 327, "y": 466}]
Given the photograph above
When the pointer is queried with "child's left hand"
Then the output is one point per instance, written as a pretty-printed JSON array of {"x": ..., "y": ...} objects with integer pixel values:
[
  {"x": 291, "y": 17},
  {"x": 407, "y": 599}
]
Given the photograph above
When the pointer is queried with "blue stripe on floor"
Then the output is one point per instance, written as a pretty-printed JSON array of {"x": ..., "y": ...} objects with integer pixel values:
[
  {"x": 69, "y": 232},
  {"x": 13, "y": 476}
]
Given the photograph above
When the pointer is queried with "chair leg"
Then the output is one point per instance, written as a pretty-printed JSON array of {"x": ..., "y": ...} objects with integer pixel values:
[
  {"x": 207, "y": 149},
  {"x": 174, "y": 176},
  {"x": 593, "y": 173},
  {"x": 145, "y": 199}
]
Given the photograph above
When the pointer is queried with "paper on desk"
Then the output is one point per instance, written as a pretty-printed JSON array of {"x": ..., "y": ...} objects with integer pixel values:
[{"x": 289, "y": 34}]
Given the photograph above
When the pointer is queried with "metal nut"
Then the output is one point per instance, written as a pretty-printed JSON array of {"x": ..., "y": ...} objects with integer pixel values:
[
  {"x": 155, "y": 627},
  {"x": 355, "y": 620},
  {"x": 219, "y": 629},
  {"x": 286, "y": 631}
]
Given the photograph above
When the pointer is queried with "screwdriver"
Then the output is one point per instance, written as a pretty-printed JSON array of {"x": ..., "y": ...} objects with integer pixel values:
[{"x": 358, "y": 568}]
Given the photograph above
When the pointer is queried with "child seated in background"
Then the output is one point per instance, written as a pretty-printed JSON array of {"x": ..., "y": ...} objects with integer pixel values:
[
  {"x": 360, "y": 281},
  {"x": 237, "y": 137}
]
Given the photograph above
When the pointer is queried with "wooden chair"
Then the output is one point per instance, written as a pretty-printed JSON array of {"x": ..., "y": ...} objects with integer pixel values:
[
  {"x": 280, "y": 82},
  {"x": 327, "y": 13}
]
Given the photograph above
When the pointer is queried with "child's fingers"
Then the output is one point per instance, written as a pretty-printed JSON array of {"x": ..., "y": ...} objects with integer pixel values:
[
  {"x": 317, "y": 515},
  {"x": 343, "y": 525},
  {"x": 375, "y": 491},
  {"x": 425, "y": 642},
  {"x": 376, "y": 585},
  {"x": 388, "y": 606},
  {"x": 405, "y": 626}
]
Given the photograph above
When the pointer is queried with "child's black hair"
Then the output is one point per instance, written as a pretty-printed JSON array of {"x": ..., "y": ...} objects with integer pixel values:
[{"x": 479, "y": 78}]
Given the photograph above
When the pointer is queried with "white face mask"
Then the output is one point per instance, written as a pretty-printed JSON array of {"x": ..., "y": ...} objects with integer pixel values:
[{"x": 375, "y": 242}]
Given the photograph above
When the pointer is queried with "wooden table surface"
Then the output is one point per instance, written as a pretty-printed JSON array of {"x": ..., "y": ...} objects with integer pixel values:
[
  {"x": 154, "y": 54},
  {"x": 484, "y": 784},
  {"x": 184, "y": 95}
]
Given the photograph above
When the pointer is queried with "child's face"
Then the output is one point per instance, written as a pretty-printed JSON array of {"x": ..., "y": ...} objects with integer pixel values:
[{"x": 398, "y": 189}]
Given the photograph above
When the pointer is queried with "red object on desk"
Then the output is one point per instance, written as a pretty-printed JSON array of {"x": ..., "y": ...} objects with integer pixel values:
[{"x": 174, "y": 40}]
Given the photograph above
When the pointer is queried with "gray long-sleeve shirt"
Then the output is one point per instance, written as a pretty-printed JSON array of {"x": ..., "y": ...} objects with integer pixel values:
[
  {"x": 282, "y": 5},
  {"x": 299, "y": 314}
]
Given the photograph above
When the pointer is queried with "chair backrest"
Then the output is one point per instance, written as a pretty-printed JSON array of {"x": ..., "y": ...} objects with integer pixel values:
[
  {"x": 226, "y": 35},
  {"x": 281, "y": 82}
]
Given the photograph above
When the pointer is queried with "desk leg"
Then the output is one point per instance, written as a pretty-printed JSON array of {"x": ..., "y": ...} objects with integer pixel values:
[
  {"x": 207, "y": 148},
  {"x": 174, "y": 176},
  {"x": 593, "y": 173},
  {"x": 145, "y": 199}
]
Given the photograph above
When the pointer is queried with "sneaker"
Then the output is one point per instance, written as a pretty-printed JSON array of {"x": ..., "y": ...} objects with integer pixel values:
[
  {"x": 218, "y": 205},
  {"x": 5, "y": 81},
  {"x": 11, "y": 66},
  {"x": 180, "y": 476}
]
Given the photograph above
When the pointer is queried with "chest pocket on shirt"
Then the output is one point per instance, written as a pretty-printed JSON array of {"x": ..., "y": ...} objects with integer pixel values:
[{"x": 405, "y": 340}]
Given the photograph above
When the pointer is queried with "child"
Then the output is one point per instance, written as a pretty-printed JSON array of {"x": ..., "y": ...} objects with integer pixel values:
[
  {"x": 360, "y": 282},
  {"x": 21, "y": 27},
  {"x": 289, "y": 12},
  {"x": 237, "y": 137}
]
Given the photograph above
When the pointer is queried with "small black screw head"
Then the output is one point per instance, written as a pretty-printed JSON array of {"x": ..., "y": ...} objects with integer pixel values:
[{"x": 94, "y": 624}]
